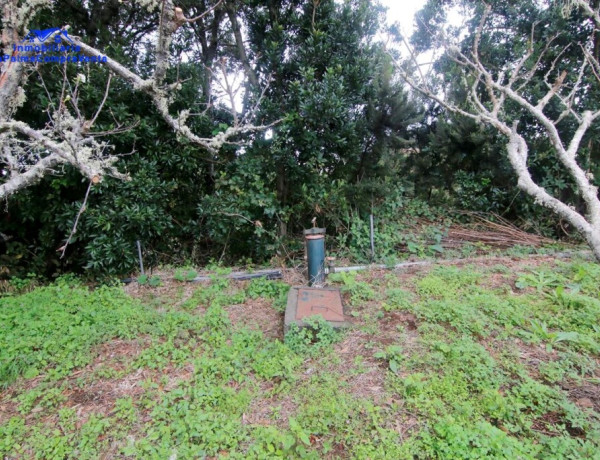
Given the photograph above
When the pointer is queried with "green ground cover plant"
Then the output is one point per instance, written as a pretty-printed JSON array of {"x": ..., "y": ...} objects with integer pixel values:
[
  {"x": 489, "y": 361},
  {"x": 53, "y": 328},
  {"x": 185, "y": 274}
]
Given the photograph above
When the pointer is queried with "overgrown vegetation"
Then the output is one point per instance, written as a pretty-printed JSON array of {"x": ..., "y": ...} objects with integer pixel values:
[
  {"x": 474, "y": 362},
  {"x": 313, "y": 338},
  {"x": 349, "y": 142},
  {"x": 56, "y": 327}
]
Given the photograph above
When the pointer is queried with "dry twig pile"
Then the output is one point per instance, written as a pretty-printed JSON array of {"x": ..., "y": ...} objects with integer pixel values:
[{"x": 499, "y": 233}]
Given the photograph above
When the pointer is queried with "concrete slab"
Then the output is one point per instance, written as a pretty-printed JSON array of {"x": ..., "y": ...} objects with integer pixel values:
[{"x": 305, "y": 301}]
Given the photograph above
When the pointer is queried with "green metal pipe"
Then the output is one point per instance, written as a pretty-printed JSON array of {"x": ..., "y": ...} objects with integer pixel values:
[{"x": 315, "y": 249}]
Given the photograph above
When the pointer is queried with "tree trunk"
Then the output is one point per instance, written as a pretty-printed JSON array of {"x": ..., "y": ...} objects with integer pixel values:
[
  {"x": 517, "y": 154},
  {"x": 12, "y": 74},
  {"x": 241, "y": 49},
  {"x": 593, "y": 240}
]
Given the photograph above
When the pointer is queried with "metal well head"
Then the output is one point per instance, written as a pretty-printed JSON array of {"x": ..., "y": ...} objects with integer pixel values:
[
  {"x": 314, "y": 240},
  {"x": 304, "y": 302}
]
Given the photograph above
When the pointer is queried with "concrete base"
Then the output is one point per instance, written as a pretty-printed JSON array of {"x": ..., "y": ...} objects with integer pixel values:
[{"x": 305, "y": 301}]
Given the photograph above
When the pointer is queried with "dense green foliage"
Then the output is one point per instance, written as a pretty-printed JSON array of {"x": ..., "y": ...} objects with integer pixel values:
[
  {"x": 342, "y": 118},
  {"x": 348, "y": 141}
]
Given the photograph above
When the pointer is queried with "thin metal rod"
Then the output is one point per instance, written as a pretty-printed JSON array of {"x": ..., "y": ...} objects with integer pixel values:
[
  {"x": 237, "y": 276},
  {"x": 269, "y": 274},
  {"x": 372, "y": 238},
  {"x": 139, "y": 246},
  {"x": 424, "y": 263}
]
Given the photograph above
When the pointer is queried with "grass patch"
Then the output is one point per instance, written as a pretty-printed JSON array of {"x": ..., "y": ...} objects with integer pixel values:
[
  {"x": 53, "y": 329},
  {"x": 439, "y": 365}
]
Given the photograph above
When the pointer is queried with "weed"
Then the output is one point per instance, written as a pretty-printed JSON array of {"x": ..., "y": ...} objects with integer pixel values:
[
  {"x": 264, "y": 288},
  {"x": 27, "y": 400},
  {"x": 539, "y": 330},
  {"x": 447, "y": 282},
  {"x": 359, "y": 365},
  {"x": 383, "y": 443},
  {"x": 193, "y": 301},
  {"x": 359, "y": 291},
  {"x": 459, "y": 386},
  {"x": 553, "y": 371},
  {"x": 20, "y": 285},
  {"x": 449, "y": 438},
  {"x": 498, "y": 268},
  {"x": 310, "y": 339},
  {"x": 143, "y": 280},
  {"x": 280, "y": 303},
  {"x": 392, "y": 355},
  {"x": 398, "y": 299},
  {"x": 468, "y": 250},
  {"x": 218, "y": 292},
  {"x": 90, "y": 433},
  {"x": 273, "y": 443},
  {"x": 392, "y": 281},
  {"x": 428, "y": 244},
  {"x": 125, "y": 410},
  {"x": 185, "y": 274},
  {"x": 152, "y": 281},
  {"x": 161, "y": 354},
  {"x": 57, "y": 325},
  {"x": 465, "y": 317},
  {"x": 324, "y": 406},
  {"x": 540, "y": 280}
]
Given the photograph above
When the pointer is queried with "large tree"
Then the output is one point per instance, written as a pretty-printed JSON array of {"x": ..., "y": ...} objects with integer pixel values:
[
  {"x": 201, "y": 185},
  {"x": 345, "y": 117},
  {"x": 529, "y": 70},
  {"x": 67, "y": 136}
]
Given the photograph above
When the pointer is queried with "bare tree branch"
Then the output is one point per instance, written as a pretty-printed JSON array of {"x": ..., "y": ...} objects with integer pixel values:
[
  {"x": 498, "y": 90},
  {"x": 67, "y": 138},
  {"x": 101, "y": 106},
  {"x": 82, "y": 209}
]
